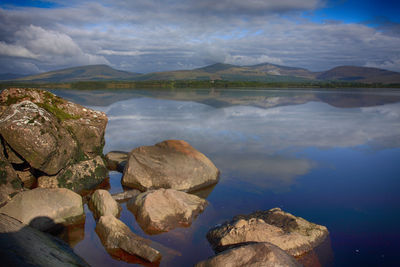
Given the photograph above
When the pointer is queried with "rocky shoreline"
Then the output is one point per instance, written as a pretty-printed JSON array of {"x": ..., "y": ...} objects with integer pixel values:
[{"x": 51, "y": 162}]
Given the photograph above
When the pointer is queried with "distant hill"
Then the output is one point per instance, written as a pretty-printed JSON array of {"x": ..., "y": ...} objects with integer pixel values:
[
  {"x": 360, "y": 74},
  {"x": 83, "y": 73},
  {"x": 265, "y": 72}
]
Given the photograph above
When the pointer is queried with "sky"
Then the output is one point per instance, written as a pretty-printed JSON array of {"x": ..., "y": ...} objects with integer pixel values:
[{"x": 154, "y": 35}]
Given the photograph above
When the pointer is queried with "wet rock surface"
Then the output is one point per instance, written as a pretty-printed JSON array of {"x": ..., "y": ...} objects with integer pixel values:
[
  {"x": 22, "y": 245},
  {"x": 53, "y": 206},
  {"x": 161, "y": 210},
  {"x": 116, "y": 160},
  {"x": 169, "y": 164},
  {"x": 102, "y": 203},
  {"x": 126, "y": 195},
  {"x": 256, "y": 254},
  {"x": 293, "y": 234},
  {"x": 114, "y": 234}
]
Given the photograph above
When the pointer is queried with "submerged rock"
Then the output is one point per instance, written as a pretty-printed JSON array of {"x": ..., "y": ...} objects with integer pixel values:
[
  {"x": 37, "y": 136},
  {"x": 43, "y": 208},
  {"x": 85, "y": 175},
  {"x": 114, "y": 234},
  {"x": 293, "y": 234},
  {"x": 256, "y": 254},
  {"x": 22, "y": 245},
  {"x": 102, "y": 203},
  {"x": 126, "y": 195},
  {"x": 169, "y": 164},
  {"x": 116, "y": 160},
  {"x": 165, "y": 209}
]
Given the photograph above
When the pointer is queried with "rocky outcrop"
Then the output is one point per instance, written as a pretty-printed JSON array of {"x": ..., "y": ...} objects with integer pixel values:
[
  {"x": 83, "y": 176},
  {"x": 102, "y": 203},
  {"x": 293, "y": 234},
  {"x": 115, "y": 235},
  {"x": 22, "y": 245},
  {"x": 161, "y": 210},
  {"x": 116, "y": 160},
  {"x": 10, "y": 184},
  {"x": 169, "y": 164},
  {"x": 37, "y": 136},
  {"x": 126, "y": 195},
  {"x": 42, "y": 208},
  {"x": 256, "y": 254},
  {"x": 87, "y": 126},
  {"x": 43, "y": 135}
]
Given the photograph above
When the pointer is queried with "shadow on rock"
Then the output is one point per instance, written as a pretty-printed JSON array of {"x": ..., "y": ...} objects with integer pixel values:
[{"x": 23, "y": 245}]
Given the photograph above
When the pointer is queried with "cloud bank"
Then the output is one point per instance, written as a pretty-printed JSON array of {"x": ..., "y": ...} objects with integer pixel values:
[{"x": 153, "y": 35}]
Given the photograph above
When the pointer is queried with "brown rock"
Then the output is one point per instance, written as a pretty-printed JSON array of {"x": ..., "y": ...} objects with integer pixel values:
[
  {"x": 116, "y": 160},
  {"x": 22, "y": 245},
  {"x": 114, "y": 234},
  {"x": 293, "y": 234},
  {"x": 103, "y": 204},
  {"x": 27, "y": 178},
  {"x": 10, "y": 184},
  {"x": 126, "y": 195},
  {"x": 169, "y": 164},
  {"x": 47, "y": 182},
  {"x": 255, "y": 255},
  {"x": 165, "y": 209},
  {"x": 42, "y": 208}
]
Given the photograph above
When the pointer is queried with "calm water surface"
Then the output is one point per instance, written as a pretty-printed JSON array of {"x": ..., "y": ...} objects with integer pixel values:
[{"x": 331, "y": 157}]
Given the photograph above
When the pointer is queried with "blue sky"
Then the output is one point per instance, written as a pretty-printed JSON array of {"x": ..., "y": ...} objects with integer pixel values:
[{"x": 153, "y": 35}]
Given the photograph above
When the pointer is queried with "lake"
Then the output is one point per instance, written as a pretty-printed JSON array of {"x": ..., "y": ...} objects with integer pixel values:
[{"x": 331, "y": 157}]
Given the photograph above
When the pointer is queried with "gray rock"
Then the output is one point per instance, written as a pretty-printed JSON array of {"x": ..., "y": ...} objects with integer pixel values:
[
  {"x": 116, "y": 160},
  {"x": 114, "y": 234},
  {"x": 12, "y": 156},
  {"x": 161, "y": 210},
  {"x": 102, "y": 203},
  {"x": 169, "y": 164},
  {"x": 55, "y": 206},
  {"x": 251, "y": 255},
  {"x": 36, "y": 135},
  {"x": 126, "y": 195},
  {"x": 293, "y": 234},
  {"x": 86, "y": 126},
  {"x": 83, "y": 176},
  {"x": 22, "y": 245}
]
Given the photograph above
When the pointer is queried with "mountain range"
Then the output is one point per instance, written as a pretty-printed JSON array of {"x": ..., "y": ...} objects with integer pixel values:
[{"x": 262, "y": 72}]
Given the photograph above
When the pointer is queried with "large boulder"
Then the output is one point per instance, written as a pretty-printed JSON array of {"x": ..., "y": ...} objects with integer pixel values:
[
  {"x": 115, "y": 235},
  {"x": 22, "y": 245},
  {"x": 10, "y": 184},
  {"x": 293, "y": 234},
  {"x": 102, "y": 203},
  {"x": 87, "y": 126},
  {"x": 169, "y": 164},
  {"x": 116, "y": 160},
  {"x": 161, "y": 210},
  {"x": 82, "y": 176},
  {"x": 44, "y": 208},
  {"x": 37, "y": 136},
  {"x": 255, "y": 255}
]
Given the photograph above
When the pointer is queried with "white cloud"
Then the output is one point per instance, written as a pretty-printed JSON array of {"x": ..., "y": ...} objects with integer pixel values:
[{"x": 11, "y": 50}]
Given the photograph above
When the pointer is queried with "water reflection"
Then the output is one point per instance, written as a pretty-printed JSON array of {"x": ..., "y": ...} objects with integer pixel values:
[{"x": 325, "y": 156}]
